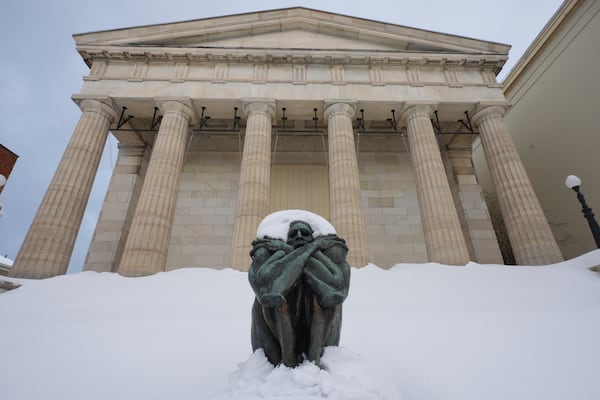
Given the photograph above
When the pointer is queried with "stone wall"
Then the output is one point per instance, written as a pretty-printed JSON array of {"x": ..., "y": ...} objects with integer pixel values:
[
  {"x": 115, "y": 217},
  {"x": 471, "y": 206},
  {"x": 203, "y": 223},
  {"x": 394, "y": 231}
]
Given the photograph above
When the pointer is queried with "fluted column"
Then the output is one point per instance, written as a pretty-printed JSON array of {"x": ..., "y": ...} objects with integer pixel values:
[
  {"x": 253, "y": 197},
  {"x": 444, "y": 239},
  {"x": 147, "y": 244},
  {"x": 347, "y": 213},
  {"x": 49, "y": 243},
  {"x": 530, "y": 235}
]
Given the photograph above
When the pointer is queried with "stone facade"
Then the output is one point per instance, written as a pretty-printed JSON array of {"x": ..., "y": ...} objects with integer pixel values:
[
  {"x": 203, "y": 220},
  {"x": 392, "y": 216},
  {"x": 553, "y": 91},
  {"x": 206, "y": 112}
]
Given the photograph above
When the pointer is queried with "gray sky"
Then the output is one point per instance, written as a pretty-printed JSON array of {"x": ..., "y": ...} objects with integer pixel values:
[{"x": 40, "y": 70}]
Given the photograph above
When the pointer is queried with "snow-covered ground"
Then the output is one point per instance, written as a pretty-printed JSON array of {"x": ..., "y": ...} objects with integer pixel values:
[{"x": 423, "y": 331}]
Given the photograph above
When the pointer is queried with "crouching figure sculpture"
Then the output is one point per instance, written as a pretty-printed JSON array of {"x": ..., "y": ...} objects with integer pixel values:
[{"x": 300, "y": 285}]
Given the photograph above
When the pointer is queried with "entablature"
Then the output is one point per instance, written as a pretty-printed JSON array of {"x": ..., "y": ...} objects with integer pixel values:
[
  {"x": 288, "y": 56},
  {"x": 140, "y": 118}
]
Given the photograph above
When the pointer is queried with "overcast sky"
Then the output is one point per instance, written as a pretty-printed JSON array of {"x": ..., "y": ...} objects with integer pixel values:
[{"x": 40, "y": 70}]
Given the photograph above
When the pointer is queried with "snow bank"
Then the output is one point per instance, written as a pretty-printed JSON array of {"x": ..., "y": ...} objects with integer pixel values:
[
  {"x": 425, "y": 331},
  {"x": 345, "y": 377},
  {"x": 6, "y": 261}
]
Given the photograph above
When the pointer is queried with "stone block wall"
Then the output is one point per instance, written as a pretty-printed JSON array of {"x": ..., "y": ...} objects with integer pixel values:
[
  {"x": 394, "y": 231},
  {"x": 125, "y": 185},
  {"x": 471, "y": 207},
  {"x": 203, "y": 222}
]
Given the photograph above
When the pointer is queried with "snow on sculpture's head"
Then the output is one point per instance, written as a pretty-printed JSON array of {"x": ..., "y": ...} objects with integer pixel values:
[{"x": 277, "y": 224}]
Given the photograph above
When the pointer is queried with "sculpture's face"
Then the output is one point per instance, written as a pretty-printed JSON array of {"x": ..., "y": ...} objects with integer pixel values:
[{"x": 299, "y": 234}]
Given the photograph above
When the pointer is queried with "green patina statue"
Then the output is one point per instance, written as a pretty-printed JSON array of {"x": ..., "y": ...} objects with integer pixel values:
[{"x": 300, "y": 286}]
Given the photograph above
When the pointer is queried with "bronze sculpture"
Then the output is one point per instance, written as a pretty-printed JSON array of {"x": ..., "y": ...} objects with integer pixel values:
[{"x": 300, "y": 286}]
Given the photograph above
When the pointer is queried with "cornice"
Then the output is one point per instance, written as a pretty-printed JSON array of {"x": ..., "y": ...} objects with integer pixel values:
[
  {"x": 541, "y": 42},
  {"x": 288, "y": 56}
]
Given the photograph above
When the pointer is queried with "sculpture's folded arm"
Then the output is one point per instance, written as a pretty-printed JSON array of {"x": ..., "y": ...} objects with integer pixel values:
[{"x": 329, "y": 280}]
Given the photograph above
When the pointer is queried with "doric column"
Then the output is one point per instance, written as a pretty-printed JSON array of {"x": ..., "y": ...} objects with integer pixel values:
[
  {"x": 147, "y": 244},
  {"x": 49, "y": 243},
  {"x": 345, "y": 201},
  {"x": 252, "y": 203},
  {"x": 443, "y": 234},
  {"x": 530, "y": 235}
]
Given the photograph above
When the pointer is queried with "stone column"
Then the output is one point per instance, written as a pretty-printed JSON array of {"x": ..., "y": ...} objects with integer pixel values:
[
  {"x": 146, "y": 246},
  {"x": 254, "y": 193},
  {"x": 530, "y": 235},
  {"x": 443, "y": 234},
  {"x": 48, "y": 246},
  {"x": 347, "y": 213}
]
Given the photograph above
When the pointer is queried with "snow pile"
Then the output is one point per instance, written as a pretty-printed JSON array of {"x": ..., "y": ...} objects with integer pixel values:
[
  {"x": 277, "y": 224},
  {"x": 344, "y": 377},
  {"x": 417, "y": 331},
  {"x": 6, "y": 261}
]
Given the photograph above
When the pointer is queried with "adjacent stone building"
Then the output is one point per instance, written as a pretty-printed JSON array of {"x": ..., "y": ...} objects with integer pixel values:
[
  {"x": 554, "y": 93},
  {"x": 221, "y": 121}
]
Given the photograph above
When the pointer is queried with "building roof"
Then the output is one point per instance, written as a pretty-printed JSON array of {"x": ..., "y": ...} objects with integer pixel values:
[{"x": 550, "y": 30}]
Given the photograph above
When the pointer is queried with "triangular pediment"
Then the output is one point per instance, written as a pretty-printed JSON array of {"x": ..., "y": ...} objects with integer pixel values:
[
  {"x": 292, "y": 28},
  {"x": 298, "y": 38}
]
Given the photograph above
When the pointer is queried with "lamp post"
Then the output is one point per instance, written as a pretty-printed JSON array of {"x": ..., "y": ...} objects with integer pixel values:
[{"x": 573, "y": 182}]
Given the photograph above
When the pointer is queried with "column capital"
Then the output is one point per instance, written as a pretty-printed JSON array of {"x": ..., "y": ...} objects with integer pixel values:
[
  {"x": 414, "y": 108},
  {"x": 487, "y": 108},
  {"x": 100, "y": 104},
  {"x": 181, "y": 105},
  {"x": 259, "y": 106},
  {"x": 335, "y": 107}
]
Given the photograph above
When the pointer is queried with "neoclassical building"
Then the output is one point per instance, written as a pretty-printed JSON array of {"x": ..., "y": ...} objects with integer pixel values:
[{"x": 221, "y": 121}]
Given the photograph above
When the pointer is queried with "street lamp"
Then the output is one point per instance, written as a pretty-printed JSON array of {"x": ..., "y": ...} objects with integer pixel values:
[{"x": 573, "y": 182}]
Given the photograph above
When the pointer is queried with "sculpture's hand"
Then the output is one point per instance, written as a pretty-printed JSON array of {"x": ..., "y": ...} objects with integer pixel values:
[
  {"x": 328, "y": 241},
  {"x": 272, "y": 244},
  {"x": 277, "y": 244}
]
